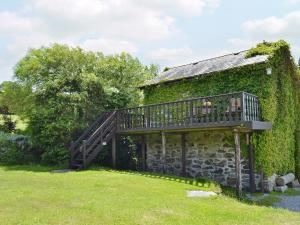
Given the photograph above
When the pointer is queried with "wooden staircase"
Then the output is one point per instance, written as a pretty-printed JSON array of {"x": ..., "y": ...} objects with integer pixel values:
[{"x": 86, "y": 148}]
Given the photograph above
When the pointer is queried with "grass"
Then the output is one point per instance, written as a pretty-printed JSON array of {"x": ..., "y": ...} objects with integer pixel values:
[{"x": 33, "y": 195}]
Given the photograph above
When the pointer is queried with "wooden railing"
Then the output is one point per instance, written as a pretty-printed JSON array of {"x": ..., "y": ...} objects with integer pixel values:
[{"x": 225, "y": 108}]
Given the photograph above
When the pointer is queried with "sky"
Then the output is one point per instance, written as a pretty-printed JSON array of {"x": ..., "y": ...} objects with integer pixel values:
[{"x": 164, "y": 32}]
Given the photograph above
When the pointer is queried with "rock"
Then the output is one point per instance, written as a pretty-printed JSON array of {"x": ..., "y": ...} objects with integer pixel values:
[
  {"x": 229, "y": 155},
  {"x": 218, "y": 171},
  {"x": 280, "y": 188},
  {"x": 283, "y": 180},
  {"x": 294, "y": 184},
  {"x": 270, "y": 183},
  {"x": 221, "y": 163},
  {"x": 231, "y": 181},
  {"x": 268, "y": 186},
  {"x": 200, "y": 193}
]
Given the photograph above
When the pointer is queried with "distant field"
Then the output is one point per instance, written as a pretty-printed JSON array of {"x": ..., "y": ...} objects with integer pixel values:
[{"x": 21, "y": 125}]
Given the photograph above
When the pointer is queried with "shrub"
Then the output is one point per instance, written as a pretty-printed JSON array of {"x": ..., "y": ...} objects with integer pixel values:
[
  {"x": 55, "y": 155},
  {"x": 15, "y": 149}
]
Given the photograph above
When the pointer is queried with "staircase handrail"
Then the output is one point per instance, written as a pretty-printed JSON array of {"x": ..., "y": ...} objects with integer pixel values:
[
  {"x": 86, "y": 132},
  {"x": 108, "y": 120}
]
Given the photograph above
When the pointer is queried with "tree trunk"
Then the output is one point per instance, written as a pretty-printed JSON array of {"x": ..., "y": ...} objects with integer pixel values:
[{"x": 283, "y": 180}]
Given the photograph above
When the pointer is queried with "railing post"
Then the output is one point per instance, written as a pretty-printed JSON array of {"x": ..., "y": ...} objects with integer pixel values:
[
  {"x": 147, "y": 117},
  {"x": 84, "y": 154},
  {"x": 231, "y": 99},
  {"x": 117, "y": 119},
  {"x": 191, "y": 112},
  {"x": 243, "y": 115}
]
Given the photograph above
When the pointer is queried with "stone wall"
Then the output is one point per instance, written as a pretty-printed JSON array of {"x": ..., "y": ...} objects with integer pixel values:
[{"x": 208, "y": 155}]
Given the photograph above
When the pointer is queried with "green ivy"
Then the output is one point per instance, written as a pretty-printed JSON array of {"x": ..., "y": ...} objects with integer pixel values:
[{"x": 275, "y": 149}]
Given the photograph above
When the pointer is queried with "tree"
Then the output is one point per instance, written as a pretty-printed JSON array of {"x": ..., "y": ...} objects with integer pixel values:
[
  {"x": 67, "y": 88},
  {"x": 13, "y": 97}
]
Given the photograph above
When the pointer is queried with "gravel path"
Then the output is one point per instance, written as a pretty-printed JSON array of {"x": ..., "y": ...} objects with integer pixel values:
[{"x": 289, "y": 202}]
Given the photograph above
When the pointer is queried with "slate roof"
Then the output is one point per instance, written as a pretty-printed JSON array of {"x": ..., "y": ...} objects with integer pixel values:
[{"x": 207, "y": 66}]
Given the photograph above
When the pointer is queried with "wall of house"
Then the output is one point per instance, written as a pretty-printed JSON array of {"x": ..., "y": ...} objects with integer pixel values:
[{"x": 208, "y": 155}]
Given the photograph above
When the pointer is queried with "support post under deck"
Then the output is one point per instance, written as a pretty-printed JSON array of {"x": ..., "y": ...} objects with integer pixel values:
[
  {"x": 163, "y": 146},
  {"x": 113, "y": 152},
  {"x": 250, "y": 163},
  {"x": 183, "y": 155},
  {"x": 143, "y": 152},
  {"x": 238, "y": 171}
]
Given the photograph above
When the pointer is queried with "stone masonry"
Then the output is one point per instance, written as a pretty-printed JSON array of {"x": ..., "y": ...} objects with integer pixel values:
[{"x": 209, "y": 154}]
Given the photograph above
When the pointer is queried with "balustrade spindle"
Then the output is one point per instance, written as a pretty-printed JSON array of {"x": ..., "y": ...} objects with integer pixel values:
[{"x": 236, "y": 108}]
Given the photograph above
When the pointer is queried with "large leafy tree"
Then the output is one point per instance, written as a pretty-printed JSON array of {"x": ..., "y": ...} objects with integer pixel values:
[{"x": 69, "y": 88}]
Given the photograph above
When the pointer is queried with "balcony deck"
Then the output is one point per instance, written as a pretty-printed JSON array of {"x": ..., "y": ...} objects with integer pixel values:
[{"x": 233, "y": 110}]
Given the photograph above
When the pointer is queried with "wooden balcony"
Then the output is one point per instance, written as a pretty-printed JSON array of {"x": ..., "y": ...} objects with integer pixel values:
[{"x": 238, "y": 109}]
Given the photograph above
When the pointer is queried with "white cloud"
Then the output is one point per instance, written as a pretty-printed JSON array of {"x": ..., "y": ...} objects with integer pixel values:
[
  {"x": 110, "y": 26},
  {"x": 238, "y": 44},
  {"x": 109, "y": 46},
  {"x": 293, "y": 1},
  {"x": 12, "y": 24},
  {"x": 270, "y": 29},
  {"x": 274, "y": 27},
  {"x": 113, "y": 18},
  {"x": 182, "y": 7}
]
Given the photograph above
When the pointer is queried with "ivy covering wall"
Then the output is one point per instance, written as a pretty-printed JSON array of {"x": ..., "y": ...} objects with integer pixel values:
[{"x": 275, "y": 149}]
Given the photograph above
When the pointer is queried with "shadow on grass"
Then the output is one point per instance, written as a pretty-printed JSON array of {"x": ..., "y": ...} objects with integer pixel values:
[
  {"x": 199, "y": 182},
  {"x": 30, "y": 168}
]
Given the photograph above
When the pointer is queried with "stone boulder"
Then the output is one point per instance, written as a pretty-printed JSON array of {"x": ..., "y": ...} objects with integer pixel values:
[{"x": 270, "y": 183}]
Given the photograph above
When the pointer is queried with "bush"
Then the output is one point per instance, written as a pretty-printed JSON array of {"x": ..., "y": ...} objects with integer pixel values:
[
  {"x": 55, "y": 155},
  {"x": 15, "y": 149}
]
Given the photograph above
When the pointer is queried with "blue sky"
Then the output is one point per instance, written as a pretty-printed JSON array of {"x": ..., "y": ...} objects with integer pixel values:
[{"x": 169, "y": 32}]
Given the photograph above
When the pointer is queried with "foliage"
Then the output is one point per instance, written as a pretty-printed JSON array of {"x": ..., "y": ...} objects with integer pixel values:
[
  {"x": 266, "y": 48},
  {"x": 7, "y": 124},
  {"x": 13, "y": 97},
  {"x": 14, "y": 149},
  {"x": 55, "y": 155},
  {"x": 277, "y": 94},
  {"x": 297, "y": 133},
  {"x": 60, "y": 90}
]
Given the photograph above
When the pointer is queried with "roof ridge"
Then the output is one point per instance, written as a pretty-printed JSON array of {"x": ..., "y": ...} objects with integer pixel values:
[{"x": 203, "y": 60}]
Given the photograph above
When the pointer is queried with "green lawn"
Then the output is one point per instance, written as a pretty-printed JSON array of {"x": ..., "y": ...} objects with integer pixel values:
[{"x": 33, "y": 195}]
